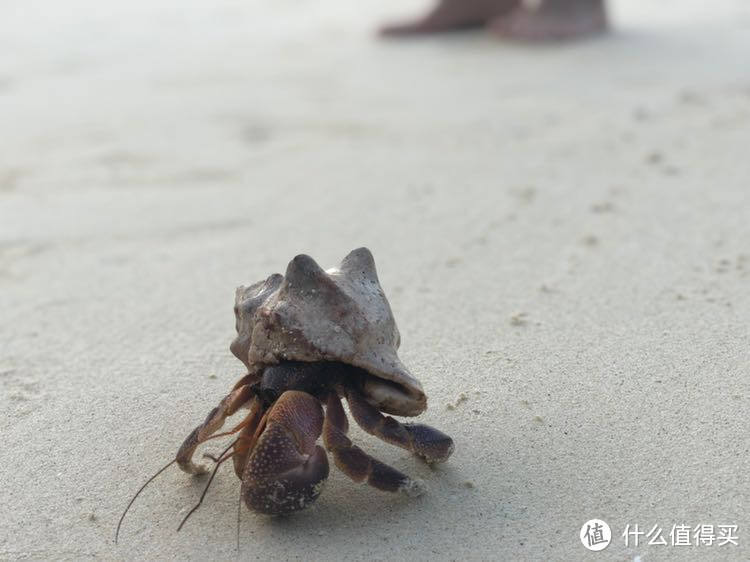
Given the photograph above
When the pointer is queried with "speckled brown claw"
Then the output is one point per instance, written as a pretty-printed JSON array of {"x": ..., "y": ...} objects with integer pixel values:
[{"x": 286, "y": 470}]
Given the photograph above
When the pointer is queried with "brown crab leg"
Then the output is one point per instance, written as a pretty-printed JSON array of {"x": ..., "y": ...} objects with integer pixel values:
[
  {"x": 286, "y": 470},
  {"x": 248, "y": 436},
  {"x": 229, "y": 405},
  {"x": 354, "y": 462},
  {"x": 427, "y": 442},
  {"x": 240, "y": 395}
]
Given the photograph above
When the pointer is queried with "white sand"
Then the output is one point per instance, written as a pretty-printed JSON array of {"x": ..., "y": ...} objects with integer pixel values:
[{"x": 564, "y": 235}]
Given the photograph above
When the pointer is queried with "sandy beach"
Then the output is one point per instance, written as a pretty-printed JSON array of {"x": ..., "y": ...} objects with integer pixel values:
[{"x": 563, "y": 234}]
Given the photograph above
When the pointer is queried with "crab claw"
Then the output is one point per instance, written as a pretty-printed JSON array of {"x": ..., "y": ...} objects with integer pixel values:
[{"x": 286, "y": 470}]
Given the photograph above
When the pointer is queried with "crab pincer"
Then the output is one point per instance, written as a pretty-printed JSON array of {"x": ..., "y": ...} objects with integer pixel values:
[{"x": 286, "y": 470}]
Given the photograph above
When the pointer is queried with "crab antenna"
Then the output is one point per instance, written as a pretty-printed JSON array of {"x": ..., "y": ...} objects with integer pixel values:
[
  {"x": 138, "y": 493},
  {"x": 208, "y": 484},
  {"x": 239, "y": 509},
  {"x": 162, "y": 469}
]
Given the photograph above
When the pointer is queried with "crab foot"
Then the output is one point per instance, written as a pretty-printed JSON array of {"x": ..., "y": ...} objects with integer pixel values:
[
  {"x": 286, "y": 470},
  {"x": 355, "y": 463}
]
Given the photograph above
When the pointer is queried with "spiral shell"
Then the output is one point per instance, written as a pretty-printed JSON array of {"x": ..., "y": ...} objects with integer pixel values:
[{"x": 341, "y": 315}]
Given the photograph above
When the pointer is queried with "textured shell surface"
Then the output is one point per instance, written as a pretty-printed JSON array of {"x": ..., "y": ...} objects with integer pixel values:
[{"x": 341, "y": 314}]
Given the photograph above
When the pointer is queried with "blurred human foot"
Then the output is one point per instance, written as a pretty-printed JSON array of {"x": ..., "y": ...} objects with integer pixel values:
[
  {"x": 553, "y": 20},
  {"x": 454, "y": 14}
]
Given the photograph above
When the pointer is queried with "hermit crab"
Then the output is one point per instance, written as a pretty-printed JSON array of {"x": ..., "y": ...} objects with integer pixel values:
[{"x": 308, "y": 339}]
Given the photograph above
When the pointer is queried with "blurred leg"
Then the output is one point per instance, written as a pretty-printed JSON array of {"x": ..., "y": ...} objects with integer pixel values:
[
  {"x": 453, "y": 14},
  {"x": 553, "y": 20}
]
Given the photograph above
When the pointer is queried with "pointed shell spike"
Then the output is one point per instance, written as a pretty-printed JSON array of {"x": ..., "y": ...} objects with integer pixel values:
[{"x": 360, "y": 261}]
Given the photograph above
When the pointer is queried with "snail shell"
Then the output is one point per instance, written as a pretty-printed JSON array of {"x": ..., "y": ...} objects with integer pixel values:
[{"x": 341, "y": 315}]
